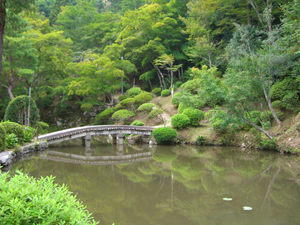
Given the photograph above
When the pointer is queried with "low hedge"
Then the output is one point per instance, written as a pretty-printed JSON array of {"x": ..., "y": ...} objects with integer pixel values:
[
  {"x": 26, "y": 200},
  {"x": 164, "y": 135},
  {"x": 104, "y": 117},
  {"x": 122, "y": 115},
  {"x": 146, "y": 107},
  {"x": 156, "y": 91},
  {"x": 122, "y": 97},
  {"x": 180, "y": 121},
  {"x": 166, "y": 93},
  {"x": 14, "y": 128},
  {"x": 133, "y": 91},
  {"x": 137, "y": 123},
  {"x": 155, "y": 113},
  {"x": 143, "y": 98},
  {"x": 127, "y": 103}
]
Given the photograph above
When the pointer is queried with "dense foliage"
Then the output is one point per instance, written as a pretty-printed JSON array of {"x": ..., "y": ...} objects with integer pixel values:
[
  {"x": 122, "y": 115},
  {"x": 14, "y": 128},
  {"x": 180, "y": 121},
  {"x": 195, "y": 116},
  {"x": 26, "y": 200},
  {"x": 137, "y": 123},
  {"x": 146, "y": 107},
  {"x": 104, "y": 117},
  {"x": 164, "y": 135},
  {"x": 2, "y": 138}
]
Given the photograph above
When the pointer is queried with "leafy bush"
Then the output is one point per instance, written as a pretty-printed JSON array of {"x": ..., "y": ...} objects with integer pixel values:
[
  {"x": 195, "y": 116},
  {"x": 177, "y": 84},
  {"x": 156, "y": 91},
  {"x": 164, "y": 135},
  {"x": 280, "y": 89},
  {"x": 42, "y": 127},
  {"x": 166, "y": 93},
  {"x": 181, "y": 107},
  {"x": 270, "y": 144},
  {"x": 180, "y": 121},
  {"x": 189, "y": 100},
  {"x": 290, "y": 100},
  {"x": 279, "y": 114},
  {"x": 17, "y": 111},
  {"x": 134, "y": 91},
  {"x": 26, "y": 200},
  {"x": 298, "y": 127},
  {"x": 127, "y": 103},
  {"x": 220, "y": 121},
  {"x": 2, "y": 138},
  {"x": 277, "y": 104},
  {"x": 122, "y": 115},
  {"x": 200, "y": 140},
  {"x": 146, "y": 107},
  {"x": 122, "y": 97},
  {"x": 14, "y": 128},
  {"x": 143, "y": 98},
  {"x": 29, "y": 133},
  {"x": 11, "y": 140},
  {"x": 137, "y": 123},
  {"x": 155, "y": 113},
  {"x": 163, "y": 155},
  {"x": 104, "y": 117}
]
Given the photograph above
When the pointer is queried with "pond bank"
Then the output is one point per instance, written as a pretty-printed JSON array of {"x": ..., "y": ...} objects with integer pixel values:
[{"x": 8, "y": 157}]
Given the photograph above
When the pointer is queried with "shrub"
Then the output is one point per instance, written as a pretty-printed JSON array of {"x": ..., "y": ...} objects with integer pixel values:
[
  {"x": 195, "y": 116},
  {"x": 180, "y": 121},
  {"x": 42, "y": 127},
  {"x": 122, "y": 97},
  {"x": 290, "y": 100},
  {"x": 156, "y": 91},
  {"x": 298, "y": 127},
  {"x": 200, "y": 140},
  {"x": 166, "y": 93},
  {"x": 11, "y": 140},
  {"x": 280, "y": 89},
  {"x": 220, "y": 121},
  {"x": 176, "y": 98},
  {"x": 155, "y": 113},
  {"x": 279, "y": 114},
  {"x": 266, "y": 116},
  {"x": 164, "y": 135},
  {"x": 146, "y": 107},
  {"x": 122, "y": 115},
  {"x": 15, "y": 128},
  {"x": 29, "y": 133},
  {"x": 127, "y": 103},
  {"x": 2, "y": 138},
  {"x": 277, "y": 104},
  {"x": 134, "y": 91},
  {"x": 269, "y": 144},
  {"x": 137, "y": 123},
  {"x": 143, "y": 98},
  {"x": 17, "y": 111},
  {"x": 181, "y": 107},
  {"x": 104, "y": 117},
  {"x": 163, "y": 155},
  {"x": 26, "y": 200},
  {"x": 177, "y": 84}
]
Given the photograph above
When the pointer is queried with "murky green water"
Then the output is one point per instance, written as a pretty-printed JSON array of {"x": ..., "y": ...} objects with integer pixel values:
[{"x": 178, "y": 185}]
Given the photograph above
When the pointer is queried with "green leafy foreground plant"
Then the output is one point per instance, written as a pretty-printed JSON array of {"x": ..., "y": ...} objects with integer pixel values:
[
  {"x": 11, "y": 140},
  {"x": 26, "y": 200}
]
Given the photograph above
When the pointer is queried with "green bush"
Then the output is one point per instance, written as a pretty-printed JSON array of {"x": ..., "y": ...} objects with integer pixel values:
[
  {"x": 143, "y": 98},
  {"x": 26, "y": 200},
  {"x": 177, "y": 84},
  {"x": 270, "y": 144},
  {"x": 163, "y": 155},
  {"x": 156, "y": 91},
  {"x": 15, "y": 128},
  {"x": 181, "y": 107},
  {"x": 195, "y": 116},
  {"x": 11, "y": 140},
  {"x": 290, "y": 100},
  {"x": 266, "y": 116},
  {"x": 279, "y": 114},
  {"x": 220, "y": 121},
  {"x": 42, "y": 127},
  {"x": 127, "y": 103},
  {"x": 277, "y": 104},
  {"x": 17, "y": 111},
  {"x": 122, "y": 97},
  {"x": 122, "y": 115},
  {"x": 155, "y": 113},
  {"x": 29, "y": 133},
  {"x": 134, "y": 91},
  {"x": 164, "y": 135},
  {"x": 166, "y": 93},
  {"x": 2, "y": 138},
  {"x": 146, "y": 107},
  {"x": 280, "y": 89},
  {"x": 298, "y": 127},
  {"x": 104, "y": 117},
  {"x": 180, "y": 121},
  {"x": 201, "y": 140},
  {"x": 137, "y": 123},
  {"x": 176, "y": 98}
]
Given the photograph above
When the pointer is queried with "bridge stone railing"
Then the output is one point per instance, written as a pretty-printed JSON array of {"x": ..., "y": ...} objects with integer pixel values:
[{"x": 117, "y": 131}]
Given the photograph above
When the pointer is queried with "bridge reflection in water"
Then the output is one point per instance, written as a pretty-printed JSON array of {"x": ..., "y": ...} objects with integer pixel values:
[{"x": 117, "y": 156}]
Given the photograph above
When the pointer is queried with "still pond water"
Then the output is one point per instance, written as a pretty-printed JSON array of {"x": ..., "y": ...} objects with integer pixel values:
[{"x": 176, "y": 185}]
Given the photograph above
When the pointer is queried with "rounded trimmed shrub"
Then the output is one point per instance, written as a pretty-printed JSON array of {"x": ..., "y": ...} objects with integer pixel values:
[
  {"x": 104, "y": 117},
  {"x": 17, "y": 111},
  {"x": 155, "y": 113},
  {"x": 146, "y": 107},
  {"x": 156, "y": 91},
  {"x": 180, "y": 121},
  {"x": 177, "y": 84},
  {"x": 134, "y": 91},
  {"x": 143, "y": 98},
  {"x": 166, "y": 93},
  {"x": 122, "y": 97},
  {"x": 164, "y": 135},
  {"x": 27, "y": 200},
  {"x": 122, "y": 115},
  {"x": 195, "y": 116},
  {"x": 127, "y": 103},
  {"x": 163, "y": 155},
  {"x": 137, "y": 123},
  {"x": 14, "y": 128},
  {"x": 2, "y": 138}
]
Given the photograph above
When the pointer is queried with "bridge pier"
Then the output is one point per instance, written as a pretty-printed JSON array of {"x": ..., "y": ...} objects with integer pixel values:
[
  {"x": 121, "y": 138},
  {"x": 86, "y": 141}
]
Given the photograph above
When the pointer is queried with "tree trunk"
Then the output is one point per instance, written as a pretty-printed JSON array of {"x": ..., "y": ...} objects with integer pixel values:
[
  {"x": 2, "y": 27},
  {"x": 258, "y": 128}
]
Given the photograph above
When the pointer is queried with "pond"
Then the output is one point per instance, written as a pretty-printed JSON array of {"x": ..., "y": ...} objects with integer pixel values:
[{"x": 161, "y": 185}]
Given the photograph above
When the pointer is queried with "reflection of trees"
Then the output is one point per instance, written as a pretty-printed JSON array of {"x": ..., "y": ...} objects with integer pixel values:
[{"x": 183, "y": 189}]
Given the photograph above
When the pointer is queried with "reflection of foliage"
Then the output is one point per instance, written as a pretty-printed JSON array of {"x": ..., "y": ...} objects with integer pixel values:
[
  {"x": 162, "y": 155},
  {"x": 180, "y": 164}
]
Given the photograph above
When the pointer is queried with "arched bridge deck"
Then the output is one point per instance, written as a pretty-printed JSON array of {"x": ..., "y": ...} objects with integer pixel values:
[{"x": 117, "y": 131}]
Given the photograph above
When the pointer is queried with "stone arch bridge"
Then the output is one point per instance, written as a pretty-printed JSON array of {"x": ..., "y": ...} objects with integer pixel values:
[{"x": 117, "y": 132}]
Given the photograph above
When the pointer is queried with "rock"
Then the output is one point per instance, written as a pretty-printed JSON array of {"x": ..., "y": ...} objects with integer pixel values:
[{"x": 6, "y": 158}]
